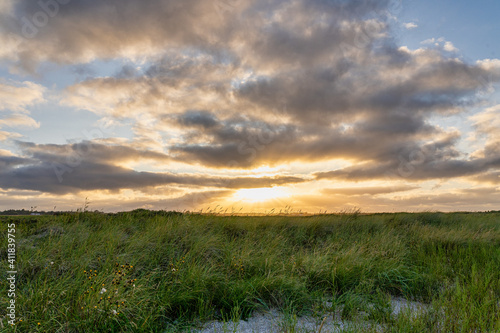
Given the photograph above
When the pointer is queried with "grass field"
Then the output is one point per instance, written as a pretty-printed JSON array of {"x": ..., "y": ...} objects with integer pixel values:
[{"x": 148, "y": 271}]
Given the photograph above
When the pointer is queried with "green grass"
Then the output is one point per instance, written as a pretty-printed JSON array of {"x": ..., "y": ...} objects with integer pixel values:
[{"x": 166, "y": 272}]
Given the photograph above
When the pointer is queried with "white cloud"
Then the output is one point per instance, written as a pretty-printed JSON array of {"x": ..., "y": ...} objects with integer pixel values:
[
  {"x": 486, "y": 126},
  {"x": 428, "y": 41},
  {"x": 490, "y": 65},
  {"x": 410, "y": 25},
  {"x": 4, "y": 136},
  {"x": 488, "y": 121},
  {"x": 448, "y": 46},
  {"x": 440, "y": 43},
  {"x": 16, "y": 96},
  {"x": 19, "y": 120}
]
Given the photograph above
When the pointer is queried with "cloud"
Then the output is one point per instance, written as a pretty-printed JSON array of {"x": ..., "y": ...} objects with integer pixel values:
[
  {"x": 448, "y": 46},
  {"x": 435, "y": 160},
  {"x": 178, "y": 201},
  {"x": 16, "y": 96},
  {"x": 357, "y": 191},
  {"x": 91, "y": 166},
  {"x": 475, "y": 199},
  {"x": 82, "y": 31},
  {"x": 487, "y": 124},
  {"x": 395, "y": 95},
  {"x": 406, "y": 170},
  {"x": 4, "y": 136},
  {"x": 410, "y": 25},
  {"x": 19, "y": 120},
  {"x": 441, "y": 43},
  {"x": 76, "y": 28},
  {"x": 489, "y": 177}
]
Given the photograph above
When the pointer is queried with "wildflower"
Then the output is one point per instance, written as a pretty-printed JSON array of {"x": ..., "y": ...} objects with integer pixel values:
[
  {"x": 114, "y": 312},
  {"x": 52, "y": 263},
  {"x": 103, "y": 290},
  {"x": 39, "y": 324}
]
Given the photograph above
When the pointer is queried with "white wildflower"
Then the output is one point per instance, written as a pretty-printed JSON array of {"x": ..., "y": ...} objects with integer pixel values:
[{"x": 103, "y": 290}]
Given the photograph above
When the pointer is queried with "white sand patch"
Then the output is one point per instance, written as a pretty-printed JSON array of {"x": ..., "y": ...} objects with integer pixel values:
[{"x": 275, "y": 321}]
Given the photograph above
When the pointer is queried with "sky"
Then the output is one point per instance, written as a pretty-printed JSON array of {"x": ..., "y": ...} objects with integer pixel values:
[{"x": 250, "y": 105}]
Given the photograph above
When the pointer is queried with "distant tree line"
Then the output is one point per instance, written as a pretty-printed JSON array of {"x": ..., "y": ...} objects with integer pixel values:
[
  {"x": 17, "y": 212},
  {"x": 135, "y": 213}
]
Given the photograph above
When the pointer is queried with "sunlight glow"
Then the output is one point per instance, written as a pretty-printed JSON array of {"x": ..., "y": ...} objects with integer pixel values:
[{"x": 261, "y": 194}]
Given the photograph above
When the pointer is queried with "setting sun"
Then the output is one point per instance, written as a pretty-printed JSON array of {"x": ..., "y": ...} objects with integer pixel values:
[{"x": 261, "y": 194}]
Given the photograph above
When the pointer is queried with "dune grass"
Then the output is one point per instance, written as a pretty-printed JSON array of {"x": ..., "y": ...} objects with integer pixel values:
[{"x": 145, "y": 271}]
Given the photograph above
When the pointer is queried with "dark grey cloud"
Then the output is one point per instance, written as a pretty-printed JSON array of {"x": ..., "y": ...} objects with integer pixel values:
[
  {"x": 58, "y": 169},
  {"x": 244, "y": 143},
  {"x": 83, "y": 29},
  {"x": 91, "y": 151},
  {"x": 198, "y": 118},
  {"x": 425, "y": 167},
  {"x": 102, "y": 29},
  {"x": 342, "y": 91}
]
